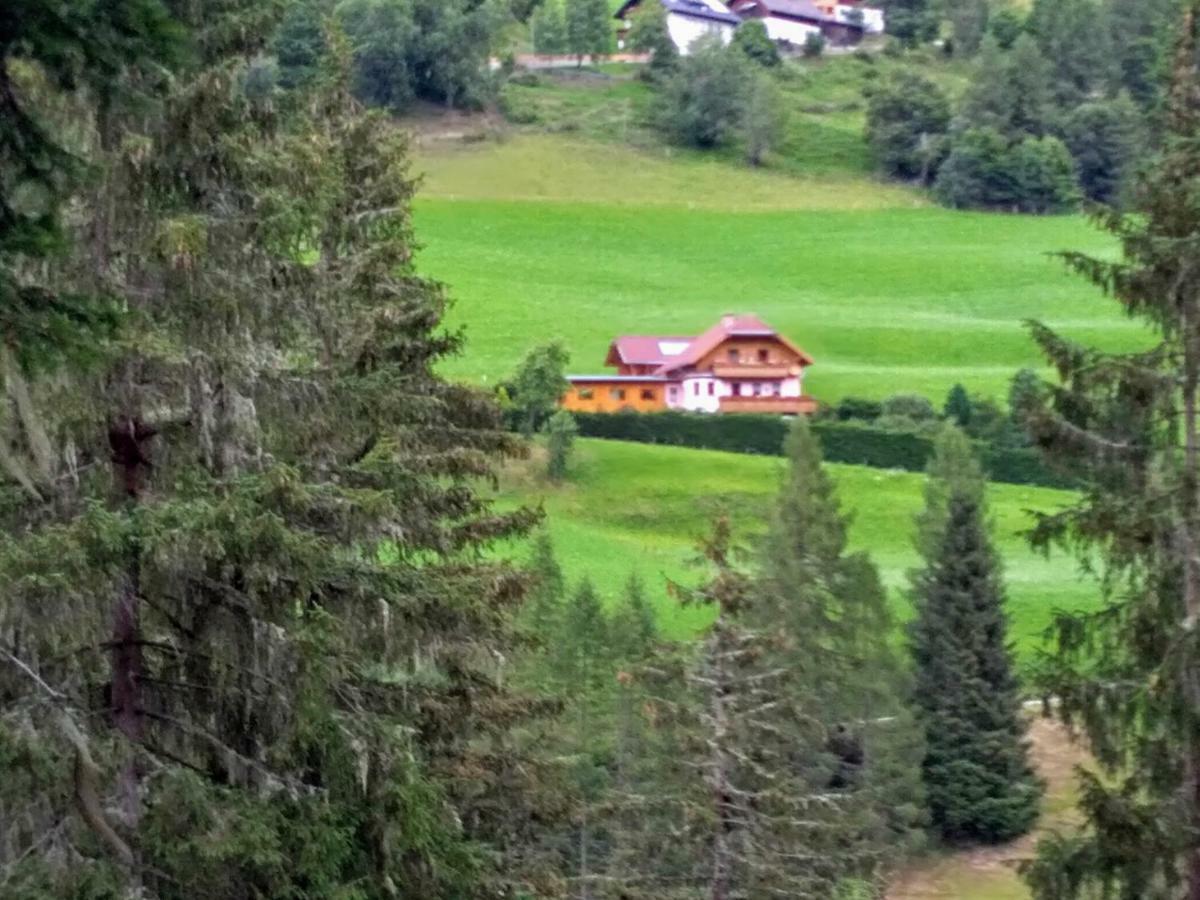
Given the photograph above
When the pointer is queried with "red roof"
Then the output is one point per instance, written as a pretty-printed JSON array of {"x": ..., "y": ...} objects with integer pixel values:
[
  {"x": 727, "y": 327},
  {"x": 645, "y": 350},
  {"x": 670, "y": 354}
]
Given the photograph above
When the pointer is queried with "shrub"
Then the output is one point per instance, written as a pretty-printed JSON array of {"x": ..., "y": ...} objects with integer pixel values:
[
  {"x": 702, "y": 103},
  {"x": 907, "y": 119},
  {"x": 909, "y": 406},
  {"x": 858, "y": 408},
  {"x": 1044, "y": 175},
  {"x": 814, "y": 44},
  {"x": 752, "y": 39},
  {"x": 978, "y": 172},
  {"x": 763, "y": 120}
]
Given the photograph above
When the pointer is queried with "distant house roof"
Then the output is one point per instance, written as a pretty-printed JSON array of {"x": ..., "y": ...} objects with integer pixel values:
[
  {"x": 729, "y": 326},
  {"x": 712, "y": 10},
  {"x": 646, "y": 350},
  {"x": 804, "y": 10}
]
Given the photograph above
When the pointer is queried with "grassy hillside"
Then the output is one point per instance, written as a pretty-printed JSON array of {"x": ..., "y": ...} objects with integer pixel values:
[
  {"x": 887, "y": 294},
  {"x": 630, "y": 507}
]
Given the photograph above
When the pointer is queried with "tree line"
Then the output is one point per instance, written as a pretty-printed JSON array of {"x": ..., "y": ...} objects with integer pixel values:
[{"x": 1063, "y": 103}]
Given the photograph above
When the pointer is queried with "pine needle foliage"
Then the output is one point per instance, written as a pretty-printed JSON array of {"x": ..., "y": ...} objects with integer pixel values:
[
  {"x": 1129, "y": 675},
  {"x": 830, "y": 613},
  {"x": 978, "y": 780},
  {"x": 249, "y": 644}
]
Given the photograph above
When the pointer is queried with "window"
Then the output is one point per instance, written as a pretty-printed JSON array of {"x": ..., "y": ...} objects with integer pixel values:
[
  {"x": 673, "y": 393},
  {"x": 584, "y": 393},
  {"x": 648, "y": 394},
  {"x": 772, "y": 389},
  {"x": 695, "y": 389},
  {"x": 764, "y": 355},
  {"x": 617, "y": 393},
  {"x": 711, "y": 388},
  {"x": 733, "y": 355},
  {"x": 757, "y": 389}
]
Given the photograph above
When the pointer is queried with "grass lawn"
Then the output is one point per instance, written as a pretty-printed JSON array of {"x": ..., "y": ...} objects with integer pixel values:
[
  {"x": 635, "y": 507},
  {"x": 901, "y": 297}
]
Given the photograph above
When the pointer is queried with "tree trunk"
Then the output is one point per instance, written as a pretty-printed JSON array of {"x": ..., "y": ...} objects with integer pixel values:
[{"x": 722, "y": 870}]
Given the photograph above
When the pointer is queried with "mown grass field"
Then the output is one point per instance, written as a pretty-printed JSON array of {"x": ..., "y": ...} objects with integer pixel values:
[
  {"x": 597, "y": 230},
  {"x": 638, "y": 508}
]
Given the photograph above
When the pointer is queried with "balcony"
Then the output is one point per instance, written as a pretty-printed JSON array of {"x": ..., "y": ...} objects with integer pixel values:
[
  {"x": 763, "y": 371},
  {"x": 783, "y": 406}
]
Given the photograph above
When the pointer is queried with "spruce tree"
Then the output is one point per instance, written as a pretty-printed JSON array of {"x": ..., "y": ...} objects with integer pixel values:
[
  {"x": 1126, "y": 424},
  {"x": 978, "y": 781},
  {"x": 833, "y": 618},
  {"x": 248, "y": 646},
  {"x": 958, "y": 406}
]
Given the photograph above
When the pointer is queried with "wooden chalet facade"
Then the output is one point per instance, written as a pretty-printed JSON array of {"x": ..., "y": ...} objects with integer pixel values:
[{"x": 741, "y": 364}]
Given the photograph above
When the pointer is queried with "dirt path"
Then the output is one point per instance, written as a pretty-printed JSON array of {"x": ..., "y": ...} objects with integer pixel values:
[{"x": 991, "y": 873}]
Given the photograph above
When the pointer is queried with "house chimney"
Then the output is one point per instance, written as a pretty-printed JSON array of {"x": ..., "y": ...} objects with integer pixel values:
[{"x": 727, "y": 320}]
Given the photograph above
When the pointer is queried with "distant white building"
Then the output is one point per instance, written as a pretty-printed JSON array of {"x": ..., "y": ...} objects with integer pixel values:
[{"x": 687, "y": 21}]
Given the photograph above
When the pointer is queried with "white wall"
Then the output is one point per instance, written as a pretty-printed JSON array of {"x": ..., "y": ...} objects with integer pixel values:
[
  {"x": 696, "y": 397},
  {"x": 686, "y": 30},
  {"x": 790, "y": 387},
  {"x": 872, "y": 19},
  {"x": 676, "y": 401},
  {"x": 786, "y": 30}
]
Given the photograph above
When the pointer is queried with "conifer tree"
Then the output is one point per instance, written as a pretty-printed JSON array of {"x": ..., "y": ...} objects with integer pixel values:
[
  {"x": 560, "y": 441},
  {"x": 544, "y": 608},
  {"x": 247, "y": 645},
  {"x": 761, "y": 806},
  {"x": 1127, "y": 426},
  {"x": 978, "y": 781},
  {"x": 833, "y": 615},
  {"x": 958, "y": 406}
]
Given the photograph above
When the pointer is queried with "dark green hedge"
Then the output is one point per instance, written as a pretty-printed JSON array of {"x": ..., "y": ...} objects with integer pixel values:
[{"x": 842, "y": 442}]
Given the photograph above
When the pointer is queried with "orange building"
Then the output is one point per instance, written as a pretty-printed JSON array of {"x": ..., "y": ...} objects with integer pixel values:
[{"x": 741, "y": 364}]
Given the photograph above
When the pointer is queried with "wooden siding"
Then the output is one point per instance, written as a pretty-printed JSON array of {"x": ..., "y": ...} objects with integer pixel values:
[
  {"x": 748, "y": 349},
  {"x": 614, "y": 396}
]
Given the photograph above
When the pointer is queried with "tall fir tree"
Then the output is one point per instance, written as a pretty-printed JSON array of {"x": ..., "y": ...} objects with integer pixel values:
[
  {"x": 1127, "y": 426},
  {"x": 978, "y": 780},
  {"x": 274, "y": 665},
  {"x": 834, "y": 622}
]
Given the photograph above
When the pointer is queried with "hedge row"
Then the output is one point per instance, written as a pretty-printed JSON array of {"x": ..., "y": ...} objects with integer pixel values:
[{"x": 842, "y": 442}]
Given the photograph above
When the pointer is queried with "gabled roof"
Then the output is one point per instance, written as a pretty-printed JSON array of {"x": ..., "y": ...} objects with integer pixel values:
[
  {"x": 645, "y": 350},
  {"x": 728, "y": 327},
  {"x": 802, "y": 9},
  {"x": 713, "y": 10}
]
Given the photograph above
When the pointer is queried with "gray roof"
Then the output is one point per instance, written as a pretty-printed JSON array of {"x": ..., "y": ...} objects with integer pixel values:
[
  {"x": 801, "y": 9},
  {"x": 694, "y": 8}
]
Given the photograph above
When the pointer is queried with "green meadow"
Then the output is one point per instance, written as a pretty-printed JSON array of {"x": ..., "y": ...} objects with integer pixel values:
[
  {"x": 545, "y": 237},
  {"x": 636, "y": 508},
  {"x": 579, "y": 225}
]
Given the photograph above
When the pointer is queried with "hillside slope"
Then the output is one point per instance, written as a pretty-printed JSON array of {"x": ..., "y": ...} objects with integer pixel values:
[
  {"x": 544, "y": 237},
  {"x": 637, "y": 507}
]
